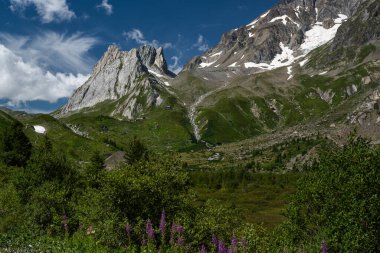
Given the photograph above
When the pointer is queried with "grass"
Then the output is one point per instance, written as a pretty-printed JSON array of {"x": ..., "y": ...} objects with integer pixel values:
[
  {"x": 261, "y": 197},
  {"x": 162, "y": 128},
  {"x": 63, "y": 139},
  {"x": 228, "y": 120}
]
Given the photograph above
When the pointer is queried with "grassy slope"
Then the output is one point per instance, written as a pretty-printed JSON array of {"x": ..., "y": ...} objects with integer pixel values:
[
  {"x": 75, "y": 146},
  {"x": 226, "y": 116},
  {"x": 162, "y": 128}
]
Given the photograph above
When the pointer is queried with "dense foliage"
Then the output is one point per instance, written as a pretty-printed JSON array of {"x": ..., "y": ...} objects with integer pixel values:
[{"x": 49, "y": 204}]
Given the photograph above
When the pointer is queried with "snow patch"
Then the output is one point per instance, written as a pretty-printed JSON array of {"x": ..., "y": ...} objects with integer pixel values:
[
  {"x": 167, "y": 83},
  {"x": 233, "y": 65},
  {"x": 216, "y": 54},
  {"x": 205, "y": 64},
  {"x": 251, "y": 34},
  {"x": 322, "y": 73},
  {"x": 155, "y": 73},
  {"x": 159, "y": 101},
  {"x": 282, "y": 18},
  {"x": 318, "y": 35},
  {"x": 252, "y": 24},
  {"x": 290, "y": 72},
  {"x": 302, "y": 63},
  {"x": 286, "y": 58},
  {"x": 39, "y": 129}
]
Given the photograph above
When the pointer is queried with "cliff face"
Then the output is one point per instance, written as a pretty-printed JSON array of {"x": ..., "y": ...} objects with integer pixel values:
[{"x": 132, "y": 78}]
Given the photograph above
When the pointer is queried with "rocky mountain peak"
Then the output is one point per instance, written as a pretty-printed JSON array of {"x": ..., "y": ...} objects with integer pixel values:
[
  {"x": 126, "y": 76},
  {"x": 282, "y": 35}
]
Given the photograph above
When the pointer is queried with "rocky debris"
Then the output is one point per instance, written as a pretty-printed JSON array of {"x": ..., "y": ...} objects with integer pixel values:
[
  {"x": 351, "y": 90},
  {"x": 133, "y": 78},
  {"x": 362, "y": 114},
  {"x": 215, "y": 157},
  {"x": 115, "y": 160},
  {"x": 327, "y": 96},
  {"x": 76, "y": 129}
]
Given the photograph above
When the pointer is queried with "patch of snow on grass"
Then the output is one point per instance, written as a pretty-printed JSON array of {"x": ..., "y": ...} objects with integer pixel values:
[
  {"x": 39, "y": 129},
  {"x": 233, "y": 65},
  {"x": 322, "y": 73},
  {"x": 302, "y": 63},
  {"x": 159, "y": 101},
  {"x": 167, "y": 83}
]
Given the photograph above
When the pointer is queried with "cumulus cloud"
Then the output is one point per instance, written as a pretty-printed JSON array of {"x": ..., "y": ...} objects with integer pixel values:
[
  {"x": 175, "y": 67},
  {"x": 59, "y": 52},
  {"x": 48, "y": 10},
  {"x": 201, "y": 44},
  {"x": 139, "y": 38},
  {"x": 108, "y": 8},
  {"x": 47, "y": 66},
  {"x": 21, "y": 81}
]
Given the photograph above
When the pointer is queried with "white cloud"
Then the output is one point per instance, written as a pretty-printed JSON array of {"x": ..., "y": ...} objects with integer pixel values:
[
  {"x": 48, "y": 10},
  {"x": 201, "y": 44},
  {"x": 138, "y": 37},
  {"x": 175, "y": 68},
  {"x": 52, "y": 50},
  {"x": 106, "y": 6},
  {"x": 21, "y": 81}
]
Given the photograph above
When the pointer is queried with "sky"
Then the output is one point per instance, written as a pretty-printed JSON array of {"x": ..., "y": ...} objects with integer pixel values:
[{"x": 49, "y": 47}]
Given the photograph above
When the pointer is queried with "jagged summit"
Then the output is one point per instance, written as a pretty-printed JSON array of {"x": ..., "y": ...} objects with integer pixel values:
[
  {"x": 134, "y": 77},
  {"x": 285, "y": 33}
]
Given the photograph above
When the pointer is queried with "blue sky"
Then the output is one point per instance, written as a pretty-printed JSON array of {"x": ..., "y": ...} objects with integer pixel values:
[{"x": 48, "y": 47}]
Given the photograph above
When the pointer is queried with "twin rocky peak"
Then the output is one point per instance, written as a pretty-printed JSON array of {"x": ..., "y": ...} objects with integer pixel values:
[{"x": 131, "y": 79}]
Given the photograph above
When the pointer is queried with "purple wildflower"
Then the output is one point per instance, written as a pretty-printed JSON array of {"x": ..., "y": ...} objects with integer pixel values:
[
  {"x": 149, "y": 230},
  {"x": 324, "y": 247},
  {"x": 172, "y": 233},
  {"x": 284, "y": 251},
  {"x": 180, "y": 241},
  {"x": 179, "y": 229},
  {"x": 163, "y": 223},
  {"x": 234, "y": 243},
  {"x": 143, "y": 242},
  {"x": 214, "y": 241},
  {"x": 203, "y": 249},
  {"x": 230, "y": 250},
  {"x": 221, "y": 247}
]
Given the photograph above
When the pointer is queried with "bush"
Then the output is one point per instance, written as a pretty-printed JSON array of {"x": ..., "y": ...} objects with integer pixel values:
[{"x": 339, "y": 201}]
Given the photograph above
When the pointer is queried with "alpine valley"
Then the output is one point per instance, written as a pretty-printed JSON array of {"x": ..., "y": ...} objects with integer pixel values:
[
  {"x": 301, "y": 68},
  {"x": 243, "y": 122}
]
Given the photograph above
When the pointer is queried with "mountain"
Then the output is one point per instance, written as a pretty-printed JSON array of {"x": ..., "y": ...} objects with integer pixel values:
[
  {"x": 311, "y": 63},
  {"x": 301, "y": 61},
  {"x": 133, "y": 79},
  {"x": 277, "y": 38}
]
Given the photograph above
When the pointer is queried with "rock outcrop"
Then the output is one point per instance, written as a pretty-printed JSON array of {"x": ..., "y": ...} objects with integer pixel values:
[{"x": 132, "y": 78}]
